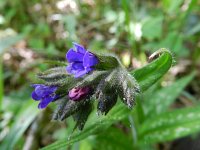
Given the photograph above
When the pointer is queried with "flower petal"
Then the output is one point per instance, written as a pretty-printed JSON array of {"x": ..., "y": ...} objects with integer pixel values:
[
  {"x": 80, "y": 74},
  {"x": 89, "y": 59},
  {"x": 74, "y": 68},
  {"x": 35, "y": 85},
  {"x": 44, "y": 90},
  {"x": 35, "y": 96},
  {"x": 73, "y": 56},
  {"x": 79, "y": 48},
  {"x": 83, "y": 72},
  {"x": 44, "y": 102},
  {"x": 69, "y": 69},
  {"x": 77, "y": 66}
]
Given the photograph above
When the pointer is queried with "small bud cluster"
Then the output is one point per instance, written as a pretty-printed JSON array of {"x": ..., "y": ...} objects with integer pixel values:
[{"x": 88, "y": 76}]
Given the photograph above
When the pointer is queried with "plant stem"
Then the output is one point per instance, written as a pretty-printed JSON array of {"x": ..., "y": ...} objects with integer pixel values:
[{"x": 133, "y": 130}]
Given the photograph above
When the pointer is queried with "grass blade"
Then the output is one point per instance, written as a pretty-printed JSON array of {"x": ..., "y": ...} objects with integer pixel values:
[{"x": 24, "y": 118}]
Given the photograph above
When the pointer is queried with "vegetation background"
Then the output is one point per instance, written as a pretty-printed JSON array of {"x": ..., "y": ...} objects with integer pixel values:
[{"x": 167, "y": 115}]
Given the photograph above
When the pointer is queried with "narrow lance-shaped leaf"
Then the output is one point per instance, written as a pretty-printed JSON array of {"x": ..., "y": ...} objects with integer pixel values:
[
  {"x": 55, "y": 76},
  {"x": 151, "y": 73},
  {"x": 56, "y": 62},
  {"x": 53, "y": 73},
  {"x": 81, "y": 116},
  {"x": 170, "y": 125},
  {"x": 161, "y": 100},
  {"x": 97, "y": 124}
]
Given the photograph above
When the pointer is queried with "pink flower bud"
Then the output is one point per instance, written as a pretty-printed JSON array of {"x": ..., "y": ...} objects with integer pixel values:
[{"x": 77, "y": 94}]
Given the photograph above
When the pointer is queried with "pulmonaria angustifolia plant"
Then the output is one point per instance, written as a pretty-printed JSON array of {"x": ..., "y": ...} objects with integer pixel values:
[{"x": 86, "y": 77}]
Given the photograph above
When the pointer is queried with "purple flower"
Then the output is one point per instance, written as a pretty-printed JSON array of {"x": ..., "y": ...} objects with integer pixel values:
[
  {"x": 44, "y": 94},
  {"x": 77, "y": 94},
  {"x": 80, "y": 61}
]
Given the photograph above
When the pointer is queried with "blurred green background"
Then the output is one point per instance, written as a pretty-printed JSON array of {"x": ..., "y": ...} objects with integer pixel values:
[{"x": 32, "y": 32}]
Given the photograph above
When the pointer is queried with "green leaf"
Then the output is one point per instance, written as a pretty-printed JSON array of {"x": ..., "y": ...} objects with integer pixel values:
[
  {"x": 85, "y": 145},
  {"x": 170, "y": 125},
  {"x": 161, "y": 100},
  {"x": 25, "y": 117},
  {"x": 151, "y": 73},
  {"x": 107, "y": 62},
  {"x": 54, "y": 75},
  {"x": 110, "y": 140},
  {"x": 97, "y": 124},
  {"x": 56, "y": 62}
]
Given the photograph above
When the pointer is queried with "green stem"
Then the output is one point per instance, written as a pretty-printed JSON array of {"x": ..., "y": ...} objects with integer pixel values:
[{"x": 133, "y": 129}]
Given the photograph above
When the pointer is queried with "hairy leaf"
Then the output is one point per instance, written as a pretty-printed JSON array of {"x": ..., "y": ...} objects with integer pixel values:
[
  {"x": 151, "y": 73},
  {"x": 82, "y": 115}
]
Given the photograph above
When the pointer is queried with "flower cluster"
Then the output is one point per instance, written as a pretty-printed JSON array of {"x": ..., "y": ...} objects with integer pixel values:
[
  {"x": 87, "y": 76},
  {"x": 81, "y": 62}
]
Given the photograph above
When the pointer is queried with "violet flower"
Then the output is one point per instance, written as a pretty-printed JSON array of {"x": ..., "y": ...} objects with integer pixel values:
[
  {"x": 77, "y": 94},
  {"x": 80, "y": 61},
  {"x": 44, "y": 94}
]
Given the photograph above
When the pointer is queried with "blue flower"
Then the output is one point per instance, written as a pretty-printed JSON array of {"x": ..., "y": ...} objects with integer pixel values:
[
  {"x": 44, "y": 94},
  {"x": 80, "y": 61}
]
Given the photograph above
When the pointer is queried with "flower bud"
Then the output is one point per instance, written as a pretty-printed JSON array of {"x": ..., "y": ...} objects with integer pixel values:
[{"x": 79, "y": 93}]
